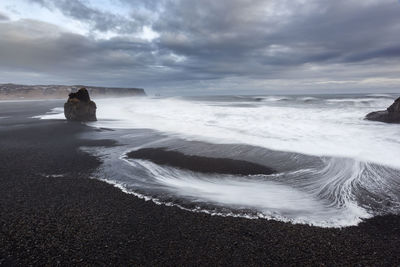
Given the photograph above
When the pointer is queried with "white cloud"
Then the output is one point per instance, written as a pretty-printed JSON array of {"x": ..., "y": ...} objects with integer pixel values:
[{"x": 236, "y": 45}]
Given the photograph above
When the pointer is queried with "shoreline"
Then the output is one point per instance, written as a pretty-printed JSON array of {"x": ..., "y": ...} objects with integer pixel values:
[{"x": 52, "y": 212}]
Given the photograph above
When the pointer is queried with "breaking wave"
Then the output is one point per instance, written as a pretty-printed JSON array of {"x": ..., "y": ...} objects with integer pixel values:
[{"x": 333, "y": 167}]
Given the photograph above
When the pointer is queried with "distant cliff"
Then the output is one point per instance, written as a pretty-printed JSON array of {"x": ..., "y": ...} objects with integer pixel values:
[{"x": 17, "y": 91}]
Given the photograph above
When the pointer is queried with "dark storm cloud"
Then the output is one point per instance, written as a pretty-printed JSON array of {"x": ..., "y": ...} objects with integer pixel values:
[
  {"x": 211, "y": 40},
  {"x": 38, "y": 52},
  {"x": 345, "y": 28},
  {"x": 262, "y": 32},
  {"x": 240, "y": 32},
  {"x": 44, "y": 48},
  {"x": 35, "y": 44},
  {"x": 3, "y": 17}
]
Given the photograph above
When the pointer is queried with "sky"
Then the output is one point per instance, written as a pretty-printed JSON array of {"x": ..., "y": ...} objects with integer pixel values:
[{"x": 188, "y": 47}]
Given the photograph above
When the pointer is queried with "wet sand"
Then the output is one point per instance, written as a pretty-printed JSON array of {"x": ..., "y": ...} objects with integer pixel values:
[{"x": 53, "y": 213}]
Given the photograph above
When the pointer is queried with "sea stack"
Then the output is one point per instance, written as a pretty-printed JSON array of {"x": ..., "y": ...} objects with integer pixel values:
[
  {"x": 79, "y": 107},
  {"x": 390, "y": 115}
]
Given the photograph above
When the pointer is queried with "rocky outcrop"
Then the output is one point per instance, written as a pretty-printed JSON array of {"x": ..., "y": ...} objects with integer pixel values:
[
  {"x": 390, "y": 115},
  {"x": 79, "y": 107}
]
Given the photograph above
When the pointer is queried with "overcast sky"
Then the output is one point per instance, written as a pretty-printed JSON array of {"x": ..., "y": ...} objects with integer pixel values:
[{"x": 204, "y": 46}]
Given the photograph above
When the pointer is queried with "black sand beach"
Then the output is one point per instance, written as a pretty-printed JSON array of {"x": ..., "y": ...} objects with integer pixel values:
[{"x": 53, "y": 213}]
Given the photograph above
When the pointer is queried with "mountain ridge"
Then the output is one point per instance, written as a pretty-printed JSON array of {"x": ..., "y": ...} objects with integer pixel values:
[{"x": 11, "y": 91}]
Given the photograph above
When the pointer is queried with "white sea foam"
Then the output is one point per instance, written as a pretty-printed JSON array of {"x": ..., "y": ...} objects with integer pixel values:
[
  {"x": 317, "y": 131},
  {"x": 274, "y": 98},
  {"x": 322, "y": 130},
  {"x": 308, "y": 98},
  {"x": 355, "y": 100},
  {"x": 265, "y": 198},
  {"x": 348, "y": 185},
  {"x": 53, "y": 114}
]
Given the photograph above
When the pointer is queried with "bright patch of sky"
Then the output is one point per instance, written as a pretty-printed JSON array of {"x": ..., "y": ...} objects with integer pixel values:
[{"x": 22, "y": 9}]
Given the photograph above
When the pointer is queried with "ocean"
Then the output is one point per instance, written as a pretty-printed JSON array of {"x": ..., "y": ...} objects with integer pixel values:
[{"x": 333, "y": 168}]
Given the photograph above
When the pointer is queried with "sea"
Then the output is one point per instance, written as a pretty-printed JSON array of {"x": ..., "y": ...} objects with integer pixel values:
[{"x": 333, "y": 167}]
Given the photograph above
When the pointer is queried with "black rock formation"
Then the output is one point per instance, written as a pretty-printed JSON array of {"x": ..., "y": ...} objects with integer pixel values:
[
  {"x": 395, "y": 107},
  {"x": 79, "y": 107},
  {"x": 199, "y": 163},
  {"x": 390, "y": 115},
  {"x": 82, "y": 95}
]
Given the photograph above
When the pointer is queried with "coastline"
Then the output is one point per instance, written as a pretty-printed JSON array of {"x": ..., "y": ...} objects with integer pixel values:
[{"x": 52, "y": 213}]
